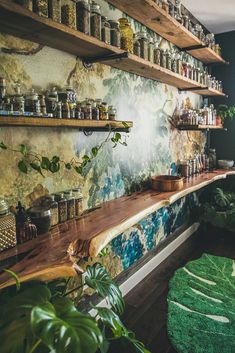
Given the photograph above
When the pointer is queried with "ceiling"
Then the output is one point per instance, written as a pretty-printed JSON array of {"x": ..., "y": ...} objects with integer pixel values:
[{"x": 217, "y": 15}]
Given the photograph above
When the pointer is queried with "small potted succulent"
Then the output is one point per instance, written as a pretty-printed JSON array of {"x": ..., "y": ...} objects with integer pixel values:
[{"x": 224, "y": 112}]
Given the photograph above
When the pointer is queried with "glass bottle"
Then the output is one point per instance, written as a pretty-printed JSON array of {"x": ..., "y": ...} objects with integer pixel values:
[
  {"x": 25, "y": 230},
  {"x": 54, "y": 10},
  {"x": 68, "y": 14},
  {"x": 54, "y": 211},
  {"x": 144, "y": 45},
  {"x": 127, "y": 41},
  {"x": 95, "y": 111},
  {"x": 105, "y": 30},
  {"x": 151, "y": 50},
  {"x": 78, "y": 202},
  {"x": 40, "y": 7},
  {"x": 83, "y": 16},
  {"x": 26, "y": 3},
  {"x": 136, "y": 45},
  {"x": 7, "y": 227},
  {"x": 70, "y": 204},
  {"x": 112, "y": 113},
  {"x": 62, "y": 207},
  {"x": 95, "y": 20},
  {"x": 115, "y": 33}
]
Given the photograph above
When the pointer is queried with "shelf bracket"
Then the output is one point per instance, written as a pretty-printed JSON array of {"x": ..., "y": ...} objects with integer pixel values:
[
  {"x": 194, "y": 47},
  {"x": 87, "y": 62}
]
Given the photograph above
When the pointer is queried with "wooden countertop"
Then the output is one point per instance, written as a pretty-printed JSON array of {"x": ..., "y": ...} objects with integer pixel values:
[{"x": 56, "y": 253}]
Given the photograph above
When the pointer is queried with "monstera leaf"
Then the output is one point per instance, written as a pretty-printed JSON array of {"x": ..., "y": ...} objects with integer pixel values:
[
  {"x": 222, "y": 199},
  {"x": 201, "y": 304},
  {"x": 99, "y": 279}
]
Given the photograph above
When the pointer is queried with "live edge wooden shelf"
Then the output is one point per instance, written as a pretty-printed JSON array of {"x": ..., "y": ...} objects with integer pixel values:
[
  {"x": 56, "y": 253},
  {"x": 201, "y": 127},
  {"x": 20, "y": 22},
  {"x": 155, "y": 18}
]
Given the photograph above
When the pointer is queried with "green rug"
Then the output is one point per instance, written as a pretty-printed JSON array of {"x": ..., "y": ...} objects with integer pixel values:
[{"x": 201, "y": 306}]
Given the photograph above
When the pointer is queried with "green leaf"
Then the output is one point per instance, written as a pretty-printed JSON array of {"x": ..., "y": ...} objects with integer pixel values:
[
  {"x": 16, "y": 278},
  {"x": 201, "y": 305},
  {"x": 86, "y": 158},
  {"x": 99, "y": 279},
  {"x": 68, "y": 166},
  {"x": 63, "y": 329},
  {"x": 36, "y": 167},
  {"x": 95, "y": 151},
  {"x": 118, "y": 136},
  {"x": 54, "y": 167},
  {"x": 45, "y": 163},
  {"x": 125, "y": 125},
  {"x": 3, "y": 146},
  {"x": 79, "y": 170},
  {"x": 222, "y": 199},
  {"x": 23, "y": 166},
  {"x": 24, "y": 149},
  {"x": 55, "y": 159}
]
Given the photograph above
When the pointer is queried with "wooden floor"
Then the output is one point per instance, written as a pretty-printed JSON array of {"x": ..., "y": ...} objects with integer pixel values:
[{"x": 146, "y": 305}]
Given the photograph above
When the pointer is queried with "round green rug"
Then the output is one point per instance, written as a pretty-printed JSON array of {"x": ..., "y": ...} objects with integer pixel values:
[{"x": 201, "y": 306}]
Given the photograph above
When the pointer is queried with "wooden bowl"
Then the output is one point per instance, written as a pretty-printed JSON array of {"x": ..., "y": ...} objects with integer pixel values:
[{"x": 167, "y": 183}]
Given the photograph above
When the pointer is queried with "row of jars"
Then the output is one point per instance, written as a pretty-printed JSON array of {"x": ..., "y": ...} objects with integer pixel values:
[
  {"x": 204, "y": 116},
  {"x": 193, "y": 166},
  {"x": 175, "y": 10}
]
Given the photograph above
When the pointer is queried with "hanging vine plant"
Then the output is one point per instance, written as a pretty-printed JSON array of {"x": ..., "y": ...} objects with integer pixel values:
[{"x": 31, "y": 160}]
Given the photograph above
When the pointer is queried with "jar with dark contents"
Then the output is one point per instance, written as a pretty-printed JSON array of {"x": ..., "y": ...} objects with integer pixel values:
[
  {"x": 54, "y": 10},
  {"x": 83, "y": 16},
  {"x": 68, "y": 14},
  {"x": 62, "y": 207},
  {"x": 136, "y": 45},
  {"x": 70, "y": 204},
  {"x": 163, "y": 58},
  {"x": 112, "y": 113},
  {"x": 115, "y": 35},
  {"x": 54, "y": 211},
  {"x": 41, "y": 218},
  {"x": 95, "y": 20},
  {"x": 26, "y": 3},
  {"x": 78, "y": 202},
  {"x": 144, "y": 45},
  {"x": 95, "y": 111},
  {"x": 105, "y": 30},
  {"x": 65, "y": 110},
  {"x": 41, "y": 7}
]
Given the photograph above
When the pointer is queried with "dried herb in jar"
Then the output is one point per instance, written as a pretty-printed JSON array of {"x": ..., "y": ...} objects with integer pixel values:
[
  {"x": 62, "y": 207},
  {"x": 127, "y": 42},
  {"x": 115, "y": 33},
  {"x": 83, "y": 16},
  {"x": 68, "y": 14},
  {"x": 54, "y": 10},
  {"x": 95, "y": 20},
  {"x": 105, "y": 30},
  {"x": 40, "y": 7},
  {"x": 70, "y": 204}
]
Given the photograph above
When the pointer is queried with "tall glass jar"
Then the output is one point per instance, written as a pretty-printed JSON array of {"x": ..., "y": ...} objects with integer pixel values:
[
  {"x": 62, "y": 207},
  {"x": 70, "y": 204},
  {"x": 115, "y": 33},
  {"x": 136, "y": 45},
  {"x": 54, "y": 10},
  {"x": 168, "y": 60},
  {"x": 144, "y": 45},
  {"x": 41, "y": 7},
  {"x": 95, "y": 111},
  {"x": 178, "y": 11},
  {"x": 105, "y": 30},
  {"x": 163, "y": 58},
  {"x": 151, "y": 50},
  {"x": 7, "y": 227},
  {"x": 54, "y": 211},
  {"x": 104, "y": 109},
  {"x": 112, "y": 113},
  {"x": 95, "y": 20},
  {"x": 127, "y": 41},
  {"x": 157, "y": 53},
  {"x": 83, "y": 16},
  {"x": 68, "y": 14},
  {"x": 78, "y": 202}
]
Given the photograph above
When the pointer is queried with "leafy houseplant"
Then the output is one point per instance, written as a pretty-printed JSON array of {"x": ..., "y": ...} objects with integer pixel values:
[
  {"x": 224, "y": 112},
  {"x": 41, "y": 318}
]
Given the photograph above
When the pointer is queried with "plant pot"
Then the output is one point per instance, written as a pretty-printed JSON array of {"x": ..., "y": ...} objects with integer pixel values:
[
  {"x": 218, "y": 121},
  {"x": 167, "y": 183}
]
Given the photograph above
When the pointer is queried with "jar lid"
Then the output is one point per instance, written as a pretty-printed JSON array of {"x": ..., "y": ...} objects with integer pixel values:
[
  {"x": 68, "y": 195},
  {"x": 3, "y": 207}
]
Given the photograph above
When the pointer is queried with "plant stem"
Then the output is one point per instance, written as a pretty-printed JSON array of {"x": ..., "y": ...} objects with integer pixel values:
[
  {"x": 35, "y": 345},
  {"x": 72, "y": 290}
]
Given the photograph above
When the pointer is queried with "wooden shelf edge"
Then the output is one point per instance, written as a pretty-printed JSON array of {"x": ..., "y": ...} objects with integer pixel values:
[{"x": 200, "y": 127}]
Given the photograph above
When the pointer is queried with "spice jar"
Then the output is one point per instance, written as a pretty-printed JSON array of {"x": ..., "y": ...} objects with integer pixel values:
[
  {"x": 26, "y": 3},
  {"x": 105, "y": 30},
  {"x": 157, "y": 54},
  {"x": 40, "y": 7},
  {"x": 112, "y": 113},
  {"x": 7, "y": 227},
  {"x": 2, "y": 87},
  {"x": 70, "y": 204},
  {"x": 168, "y": 60},
  {"x": 25, "y": 229},
  {"x": 186, "y": 21},
  {"x": 51, "y": 102},
  {"x": 104, "y": 111},
  {"x": 54, "y": 211},
  {"x": 18, "y": 104},
  {"x": 115, "y": 34},
  {"x": 95, "y": 20},
  {"x": 32, "y": 103},
  {"x": 83, "y": 16},
  {"x": 78, "y": 202},
  {"x": 136, "y": 45},
  {"x": 88, "y": 111},
  {"x": 78, "y": 112},
  {"x": 95, "y": 111},
  {"x": 144, "y": 45},
  {"x": 127, "y": 42},
  {"x": 99, "y": 106},
  {"x": 179, "y": 64},
  {"x": 65, "y": 109},
  {"x": 62, "y": 207},
  {"x": 54, "y": 10},
  {"x": 68, "y": 14},
  {"x": 151, "y": 50},
  {"x": 163, "y": 58},
  {"x": 41, "y": 218}
]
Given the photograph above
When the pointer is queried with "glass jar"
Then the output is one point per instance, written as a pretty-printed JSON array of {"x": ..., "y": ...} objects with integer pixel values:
[
  {"x": 199, "y": 31},
  {"x": 104, "y": 110},
  {"x": 54, "y": 211},
  {"x": 171, "y": 9},
  {"x": 151, "y": 50},
  {"x": 168, "y": 60},
  {"x": 83, "y": 16},
  {"x": 19, "y": 104},
  {"x": 127, "y": 41},
  {"x": 65, "y": 110},
  {"x": 68, "y": 14},
  {"x": 157, "y": 54},
  {"x": 78, "y": 202},
  {"x": 178, "y": 11},
  {"x": 136, "y": 45},
  {"x": 26, "y": 3},
  {"x": 112, "y": 113},
  {"x": 186, "y": 21},
  {"x": 41, "y": 7},
  {"x": 7, "y": 227},
  {"x": 144, "y": 45},
  {"x": 95, "y": 20},
  {"x": 88, "y": 111},
  {"x": 32, "y": 103},
  {"x": 25, "y": 229},
  {"x": 2, "y": 87},
  {"x": 115, "y": 33},
  {"x": 54, "y": 10},
  {"x": 163, "y": 58},
  {"x": 165, "y": 5},
  {"x": 62, "y": 207},
  {"x": 179, "y": 64},
  {"x": 99, "y": 106},
  {"x": 41, "y": 218},
  {"x": 105, "y": 30},
  {"x": 70, "y": 204},
  {"x": 95, "y": 111}
]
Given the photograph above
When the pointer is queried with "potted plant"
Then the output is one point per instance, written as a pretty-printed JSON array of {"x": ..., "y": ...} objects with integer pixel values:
[{"x": 224, "y": 112}]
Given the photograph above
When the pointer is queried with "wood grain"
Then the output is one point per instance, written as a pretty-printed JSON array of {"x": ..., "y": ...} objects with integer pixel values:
[
  {"x": 200, "y": 127},
  {"x": 57, "y": 253},
  {"x": 155, "y": 18}
]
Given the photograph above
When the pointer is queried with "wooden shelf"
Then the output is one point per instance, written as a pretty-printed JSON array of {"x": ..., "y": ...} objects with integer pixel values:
[
  {"x": 70, "y": 123},
  {"x": 155, "y": 18},
  {"x": 56, "y": 253},
  {"x": 200, "y": 127}
]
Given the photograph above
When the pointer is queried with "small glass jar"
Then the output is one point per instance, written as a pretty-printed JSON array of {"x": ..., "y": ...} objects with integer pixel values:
[
  {"x": 68, "y": 14},
  {"x": 144, "y": 45},
  {"x": 62, "y": 207},
  {"x": 54, "y": 211},
  {"x": 163, "y": 58},
  {"x": 171, "y": 9},
  {"x": 70, "y": 204},
  {"x": 83, "y": 16},
  {"x": 105, "y": 30},
  {"x": 115, "y": 33},
  {"x": 104, "y": 110},
  {"x": 157, "y": 54},
  {"x": 178, "y": 11},
  {"x": 54, "y": 10},
  {"x": 7, "y": 227},
  {"x": 78, "y": 202},
  {"x": 168, "y": 60},
  {"x": 112, "y": 113},
  {"x": 32, "y": 103},
  {"x": 95, "y": 20},
  {"x": 88, "y": 111},
  {"x": 95, "y": 111},
  {"x": 19, "y": 104},
  {"x": 151, "y": 50},
  {"x": 65, "y": 110},
  {"x": 179, "y": 64},
  {"x": 41, "y": 7},
  {"x": 186, "y": 21},
  {"x": 136, "y": 45},
  {"x": 127, "y": 41},
  {"x": 26, "y": 3}
]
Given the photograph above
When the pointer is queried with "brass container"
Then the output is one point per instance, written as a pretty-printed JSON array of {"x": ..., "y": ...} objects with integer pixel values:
[{"x": 7, "y": 227}]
